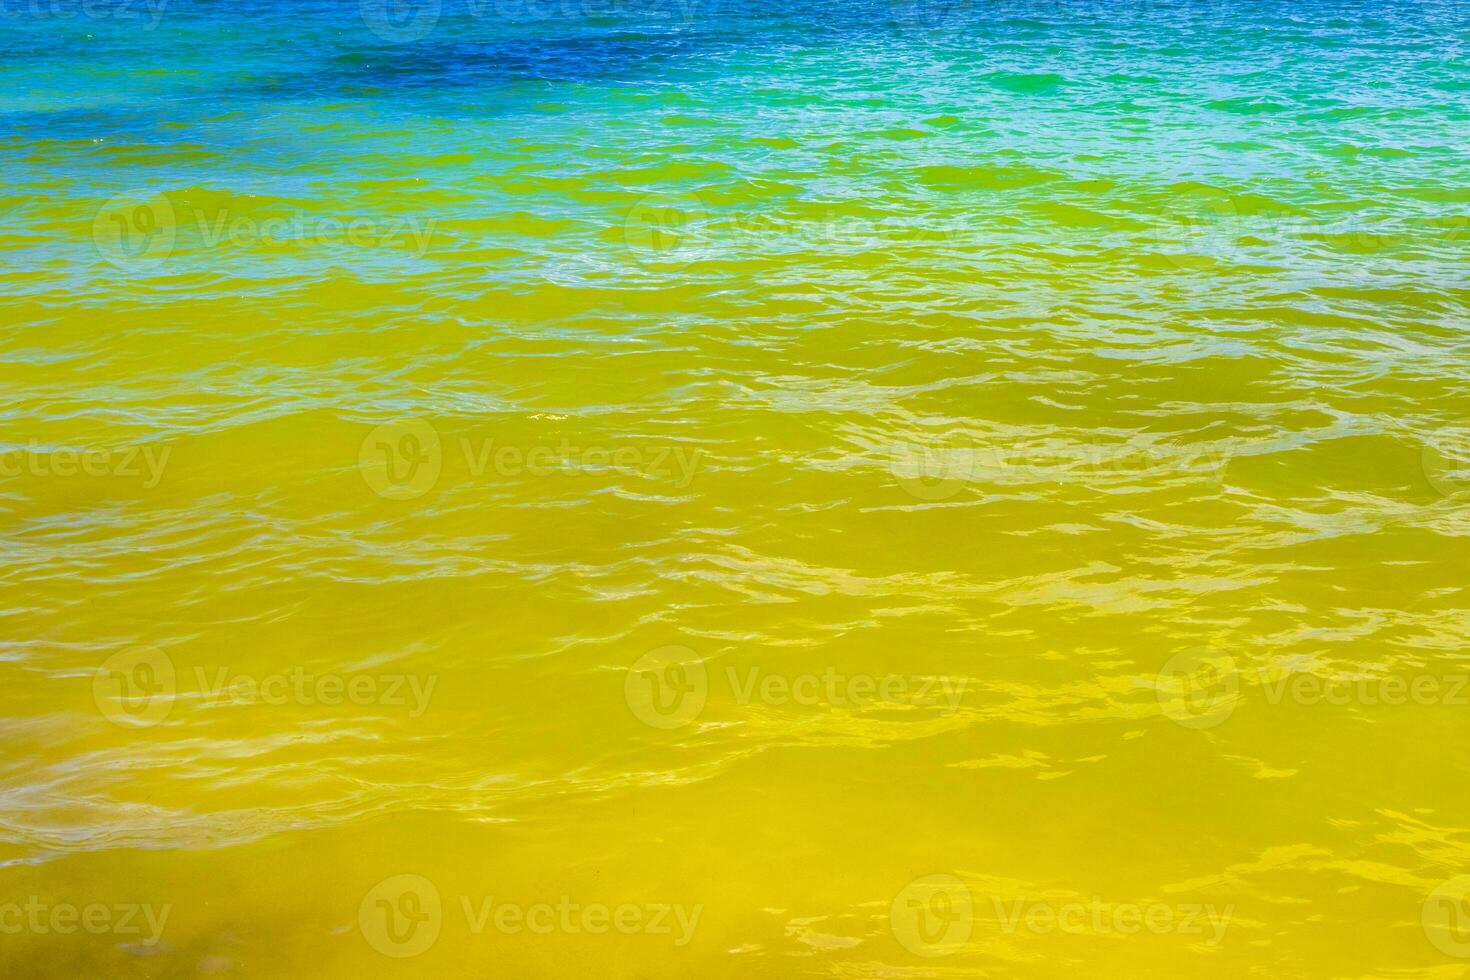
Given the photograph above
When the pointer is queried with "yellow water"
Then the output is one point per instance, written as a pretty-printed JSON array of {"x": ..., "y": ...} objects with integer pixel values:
[{"x": 856, "y": 492}]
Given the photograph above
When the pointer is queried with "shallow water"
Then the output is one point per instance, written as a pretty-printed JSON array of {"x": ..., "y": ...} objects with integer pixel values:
[{"x": 749, "y": 489}]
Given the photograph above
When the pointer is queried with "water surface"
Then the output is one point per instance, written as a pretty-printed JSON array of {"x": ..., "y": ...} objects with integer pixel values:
[{"x": 878, "y": 481}]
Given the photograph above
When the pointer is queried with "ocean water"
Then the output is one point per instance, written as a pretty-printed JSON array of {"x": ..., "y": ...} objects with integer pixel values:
[{"x": 672, "y": 488}]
